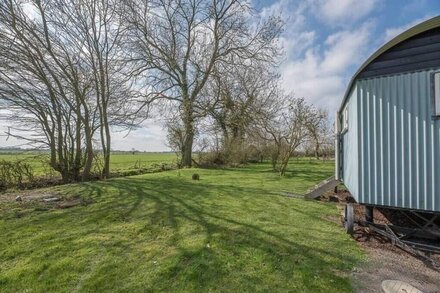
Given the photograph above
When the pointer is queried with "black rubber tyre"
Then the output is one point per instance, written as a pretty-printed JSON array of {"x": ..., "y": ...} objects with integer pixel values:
[{"x": 349, "y": 218}]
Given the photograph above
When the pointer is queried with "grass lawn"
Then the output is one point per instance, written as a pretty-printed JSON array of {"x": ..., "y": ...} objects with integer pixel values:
[
  {"x": 126, "y": 161},
  {"x": 230, "y": 231},
  {"x": 120, "y": 161}
]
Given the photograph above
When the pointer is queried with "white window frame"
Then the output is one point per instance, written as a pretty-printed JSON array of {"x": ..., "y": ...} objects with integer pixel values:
[
  {"x": 436, "y": 80},
  {"x": 345, "y": 119}
]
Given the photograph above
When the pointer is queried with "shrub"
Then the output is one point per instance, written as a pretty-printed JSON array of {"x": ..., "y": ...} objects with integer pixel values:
[
  {"x": 15, "y": 174},
  {"x": 211, "y": 159}
]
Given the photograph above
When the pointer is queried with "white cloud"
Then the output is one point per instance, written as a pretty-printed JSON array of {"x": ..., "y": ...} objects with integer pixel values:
[
  {"x": 392, "y": 32},
  {"x": 297, "y": 37},
  {"x": 321, "y": 76},
  {"x": 345, "y": 48},
  {"x": 295, "y": 44},
  {"x": 342, "y": 12},
  {"x": 318, "y": 68},
  {"x": 151, "y": 137},
  {"x": 6, "y": 141}
]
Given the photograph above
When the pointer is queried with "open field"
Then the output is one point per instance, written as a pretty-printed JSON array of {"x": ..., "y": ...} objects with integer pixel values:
[
  {"x": 120, "y": 161},
  {"x": 127, "y": 161},
  {"x": 230, "y": 231}
]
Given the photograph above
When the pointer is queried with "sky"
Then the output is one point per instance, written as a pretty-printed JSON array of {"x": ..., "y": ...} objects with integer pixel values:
[{"x": 325, "y": 42}]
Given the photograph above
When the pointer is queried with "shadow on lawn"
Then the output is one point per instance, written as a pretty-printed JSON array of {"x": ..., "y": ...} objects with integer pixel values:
[{"x": 242, "y": 253}]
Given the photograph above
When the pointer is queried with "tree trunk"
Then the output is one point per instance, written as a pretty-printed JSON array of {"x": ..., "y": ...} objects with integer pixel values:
[
  {"x": 188, "y": 120},
  {"x": 187, "y": 151},
  {"x": 89, "y": 148},
  {"x": 78, "y": 156},
  {"x": 106, "y": 171},
  {"x": 316, "y": 148},
  {"x": 283, "y": 169},
  {"x": 105, "y": 96},
  {"x": 317, "y": 152},
  {"x": 274, "y": 159},
  {"x": 284, "y": 163},
  {"x": 89, "y": 160},
  {"x": 106, "y": 142}
]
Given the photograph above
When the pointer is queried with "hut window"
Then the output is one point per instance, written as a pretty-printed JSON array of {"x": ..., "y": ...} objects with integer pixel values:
[
  {"x": 345, "y": 119},
  {"x": 437, "y": 94}
]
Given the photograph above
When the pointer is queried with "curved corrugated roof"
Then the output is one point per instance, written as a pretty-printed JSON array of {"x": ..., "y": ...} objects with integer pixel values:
[{"x": 415, "y": 30}]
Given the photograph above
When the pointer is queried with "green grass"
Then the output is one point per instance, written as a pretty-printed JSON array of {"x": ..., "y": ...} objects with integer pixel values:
[
  {"x": 127, "y": 161},
  {"x": 120, "y": 161},
  {"x": 230, "y": 231}
]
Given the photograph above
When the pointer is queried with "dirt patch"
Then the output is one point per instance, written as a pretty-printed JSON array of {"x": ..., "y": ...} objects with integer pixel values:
[
  {"x": 70, "y": 203},
  {"x": 386, "y": 261},
  {"x": 20, "y": 204},
  {"x": 391, "y": 264},
  {"x": 343, "y": 196},
  {"x": 28, "y": 195}
]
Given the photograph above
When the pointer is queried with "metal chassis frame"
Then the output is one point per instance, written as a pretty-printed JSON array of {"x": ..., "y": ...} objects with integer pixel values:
[{"x": 398, "y": 235}]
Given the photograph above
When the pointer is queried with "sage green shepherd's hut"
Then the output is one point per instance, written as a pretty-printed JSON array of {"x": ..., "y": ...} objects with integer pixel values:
[{"x": 388, "y": 142}]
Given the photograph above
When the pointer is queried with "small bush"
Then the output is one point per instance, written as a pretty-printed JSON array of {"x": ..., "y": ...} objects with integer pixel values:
[
  {"x": 211, "y": 159},
  {"x": 154, "y": 168},
  {"x": 3, "y": 186},
  {"x": 236, "y": 153},
  {"x": 163, "y": 167},
  {"x": 195, "y": 176},
  {"x": 15, "y": 174}
]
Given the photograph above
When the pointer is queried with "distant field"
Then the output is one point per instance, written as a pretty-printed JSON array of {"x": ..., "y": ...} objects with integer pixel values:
[
  {"x": 127, "y": 161},
  {"x": 120, "y": 161},
  {"x": 38, "y": 160}
]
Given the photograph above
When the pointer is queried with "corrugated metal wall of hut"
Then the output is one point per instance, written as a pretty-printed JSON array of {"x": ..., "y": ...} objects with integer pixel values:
[
  {"x": 350, "y": 148},
  {"x": 399, "y": 147}
]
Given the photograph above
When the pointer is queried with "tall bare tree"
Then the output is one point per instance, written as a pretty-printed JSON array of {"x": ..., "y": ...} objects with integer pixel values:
[
  {"x": 243, "y": 93},
  {"x": 95, "y": 26},
  {"x": 177, "y": 45},
  {"x": 40, "y": 68},
  {"x": 317, "y": 126},
  {"x": 62, "y": 78},
  {"x": 287, "y": 129}
]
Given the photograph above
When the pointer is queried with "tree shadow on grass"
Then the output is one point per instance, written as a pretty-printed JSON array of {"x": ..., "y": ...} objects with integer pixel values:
[
  {"x": 230, "y": 250},
  {"x": 204, "y": 236}
]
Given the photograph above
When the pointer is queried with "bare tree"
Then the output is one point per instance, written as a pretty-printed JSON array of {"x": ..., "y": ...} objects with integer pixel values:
[
  {"x": 317, "y": 126},
  {"x": 175, "y": 135},
  {"x": 242, "y": 92},
  {"x": 61, "y": 77},
  {"x": 95, "y": 26},
  {"x": 287, "y": 129},
  {"x": 177, "y": 45},
  {"x": 42, "y": 77}
]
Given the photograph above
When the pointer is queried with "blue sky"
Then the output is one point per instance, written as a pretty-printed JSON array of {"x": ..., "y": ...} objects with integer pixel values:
[{"x": 325, "y": 41}]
